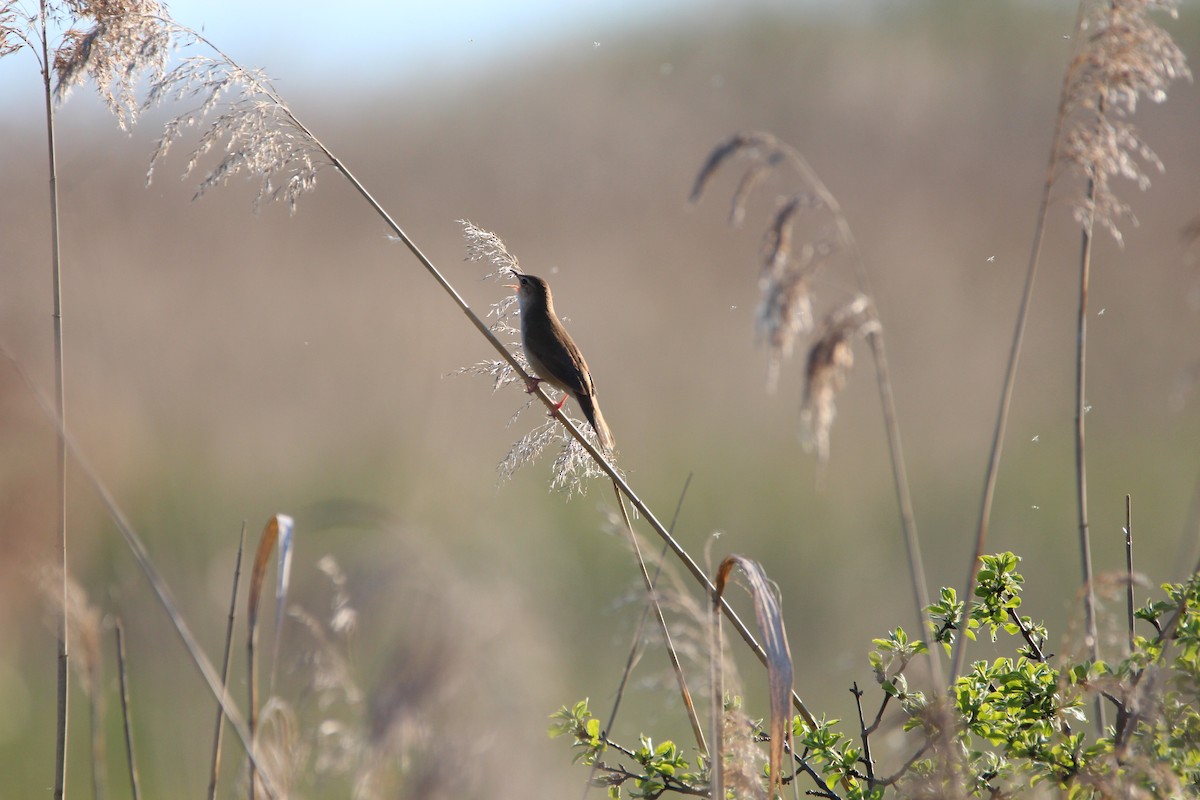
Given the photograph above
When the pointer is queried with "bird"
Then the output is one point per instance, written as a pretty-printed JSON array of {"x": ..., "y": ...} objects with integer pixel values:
[{"x": 553, "y": 355}]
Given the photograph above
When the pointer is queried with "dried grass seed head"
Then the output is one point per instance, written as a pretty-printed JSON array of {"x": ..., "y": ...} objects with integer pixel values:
[
  {"x": 764, "y": 149},
  {"x": 127, "y": 39},
  {"x": 780, "y": 234},
  {"x": 260, "y": 136},
  {"x": 84, "y": 622},
  {"x": 14, "y": 27},
  {"x": 484, "y": 245},
  {"x": 784, "y": 312},
  {"x": 829, "y": 362},
  {"x": 1124, "y": 54}
]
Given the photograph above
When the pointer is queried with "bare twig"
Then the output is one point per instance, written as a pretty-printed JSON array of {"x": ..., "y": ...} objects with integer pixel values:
[{"x": 865, "y": 734}]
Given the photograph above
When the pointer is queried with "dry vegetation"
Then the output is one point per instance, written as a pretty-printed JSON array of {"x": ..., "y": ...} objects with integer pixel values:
[{"x": 224, "y": 366}]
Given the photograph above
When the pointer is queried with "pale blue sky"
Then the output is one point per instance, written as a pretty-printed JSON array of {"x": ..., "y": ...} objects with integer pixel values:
[
  {"x": 373, "y": 41},
  {"x": 405, "y": 35}
]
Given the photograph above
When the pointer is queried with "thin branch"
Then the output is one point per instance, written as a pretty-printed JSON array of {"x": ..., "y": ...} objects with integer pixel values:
[
  {"x": 1026, "y": 634},
  {"x": 874, "y": 726},
  {"x": 866, "y": 758}
]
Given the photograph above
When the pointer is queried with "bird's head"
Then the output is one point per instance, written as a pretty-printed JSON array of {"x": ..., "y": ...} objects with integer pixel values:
[{"x": 532, "y": 291}]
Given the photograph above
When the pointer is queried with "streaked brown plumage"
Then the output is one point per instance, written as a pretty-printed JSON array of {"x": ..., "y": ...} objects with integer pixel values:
[{"x": 553, "y": 355}]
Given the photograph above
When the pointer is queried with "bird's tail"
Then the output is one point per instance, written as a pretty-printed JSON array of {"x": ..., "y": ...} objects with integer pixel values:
[{"x": 591, "y": 410}]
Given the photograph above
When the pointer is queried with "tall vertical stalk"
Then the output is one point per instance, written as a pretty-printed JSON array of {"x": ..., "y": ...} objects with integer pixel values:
[
  {"x": 1085, "y": 544},
  {"x": 60, "y": 748}
]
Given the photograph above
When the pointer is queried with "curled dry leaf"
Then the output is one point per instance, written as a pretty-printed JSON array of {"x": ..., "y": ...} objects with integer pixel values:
[{"x": 769, "y": 615}]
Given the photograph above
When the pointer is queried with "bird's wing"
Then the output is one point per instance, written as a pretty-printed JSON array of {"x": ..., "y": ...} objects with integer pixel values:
[{"x": 566, "y": 363}]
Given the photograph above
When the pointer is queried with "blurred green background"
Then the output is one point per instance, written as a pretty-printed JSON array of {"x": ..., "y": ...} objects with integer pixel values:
[{"x": 224, "y": 365}]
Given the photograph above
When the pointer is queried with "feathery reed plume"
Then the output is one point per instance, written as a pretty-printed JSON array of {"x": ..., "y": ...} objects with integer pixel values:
[
  {"x": 262, "y": 137},
  {"x": 1122, "y": 54},
  {"x": 743, "y": 762},
  {"x": 483, "y": 245},
  {"x": 13, "y": 26},
  {"x": 128, "y": 39},
  {"x": 829, "y": 362},
  {"x": 785, "y": 306},
  {"x": 281, "y": 752}
]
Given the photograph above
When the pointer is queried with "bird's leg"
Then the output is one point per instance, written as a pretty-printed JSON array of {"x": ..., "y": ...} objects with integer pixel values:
[
  {"x": 531, "y": 384},
  {"x": 557, "y": 406}
]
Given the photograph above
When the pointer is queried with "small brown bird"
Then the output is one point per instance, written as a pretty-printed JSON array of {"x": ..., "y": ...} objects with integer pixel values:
[{"x": 553, "y": 355}]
